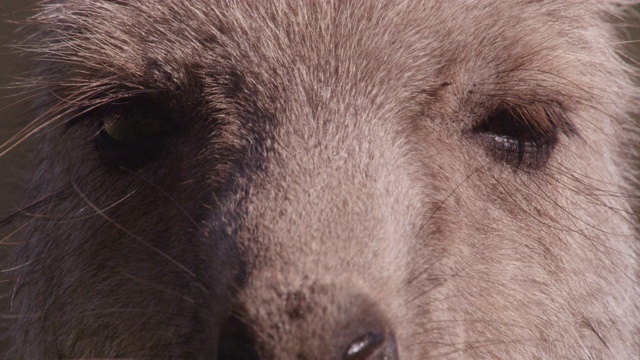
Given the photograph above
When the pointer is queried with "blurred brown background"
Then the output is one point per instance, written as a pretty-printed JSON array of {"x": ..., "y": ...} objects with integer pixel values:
[{"x": 13, "y": 166}]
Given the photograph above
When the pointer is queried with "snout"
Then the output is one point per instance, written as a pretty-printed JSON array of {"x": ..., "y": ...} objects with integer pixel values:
[{"x": 318, "y": 322}]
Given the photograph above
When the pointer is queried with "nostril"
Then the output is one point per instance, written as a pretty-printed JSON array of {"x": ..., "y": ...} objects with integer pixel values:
[
  {"x": 236, "y": 341},
  {"x": 365, "y": 345},
  {"x": 371, "y": 346}
]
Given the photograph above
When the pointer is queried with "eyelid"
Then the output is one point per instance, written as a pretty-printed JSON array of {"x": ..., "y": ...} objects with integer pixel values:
[{"x": 544, "y": 117}]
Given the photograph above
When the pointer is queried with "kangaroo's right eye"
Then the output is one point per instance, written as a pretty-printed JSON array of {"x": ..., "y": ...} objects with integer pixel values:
[
  {"x": 132, "y": 129},
  {"x": 132, "y": 135}
]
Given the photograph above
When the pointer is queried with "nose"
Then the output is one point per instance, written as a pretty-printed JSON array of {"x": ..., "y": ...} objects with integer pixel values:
[{"x": 360, "y": 334}]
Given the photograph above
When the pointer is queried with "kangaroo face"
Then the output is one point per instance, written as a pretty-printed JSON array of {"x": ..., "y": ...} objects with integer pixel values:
[{"x": 340, "y": 180}]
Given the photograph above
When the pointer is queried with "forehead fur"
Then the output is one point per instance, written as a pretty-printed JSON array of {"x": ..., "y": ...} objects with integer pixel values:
[{"x": 110, "y": 44}]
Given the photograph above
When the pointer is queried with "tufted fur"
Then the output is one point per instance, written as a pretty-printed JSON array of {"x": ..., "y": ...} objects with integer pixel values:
[{"x": 326, "y": 160}]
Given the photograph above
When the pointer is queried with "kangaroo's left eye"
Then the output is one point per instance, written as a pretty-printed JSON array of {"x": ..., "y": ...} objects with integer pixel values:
[{"x": 523, "y": 136}]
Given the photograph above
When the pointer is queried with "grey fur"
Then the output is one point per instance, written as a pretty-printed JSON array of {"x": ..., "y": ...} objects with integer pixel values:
[{"x": 331, "y": 173}]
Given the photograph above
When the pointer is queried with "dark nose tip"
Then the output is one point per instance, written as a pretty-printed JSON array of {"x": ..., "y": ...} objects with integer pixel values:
[{"x": 372, "y": 346}]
